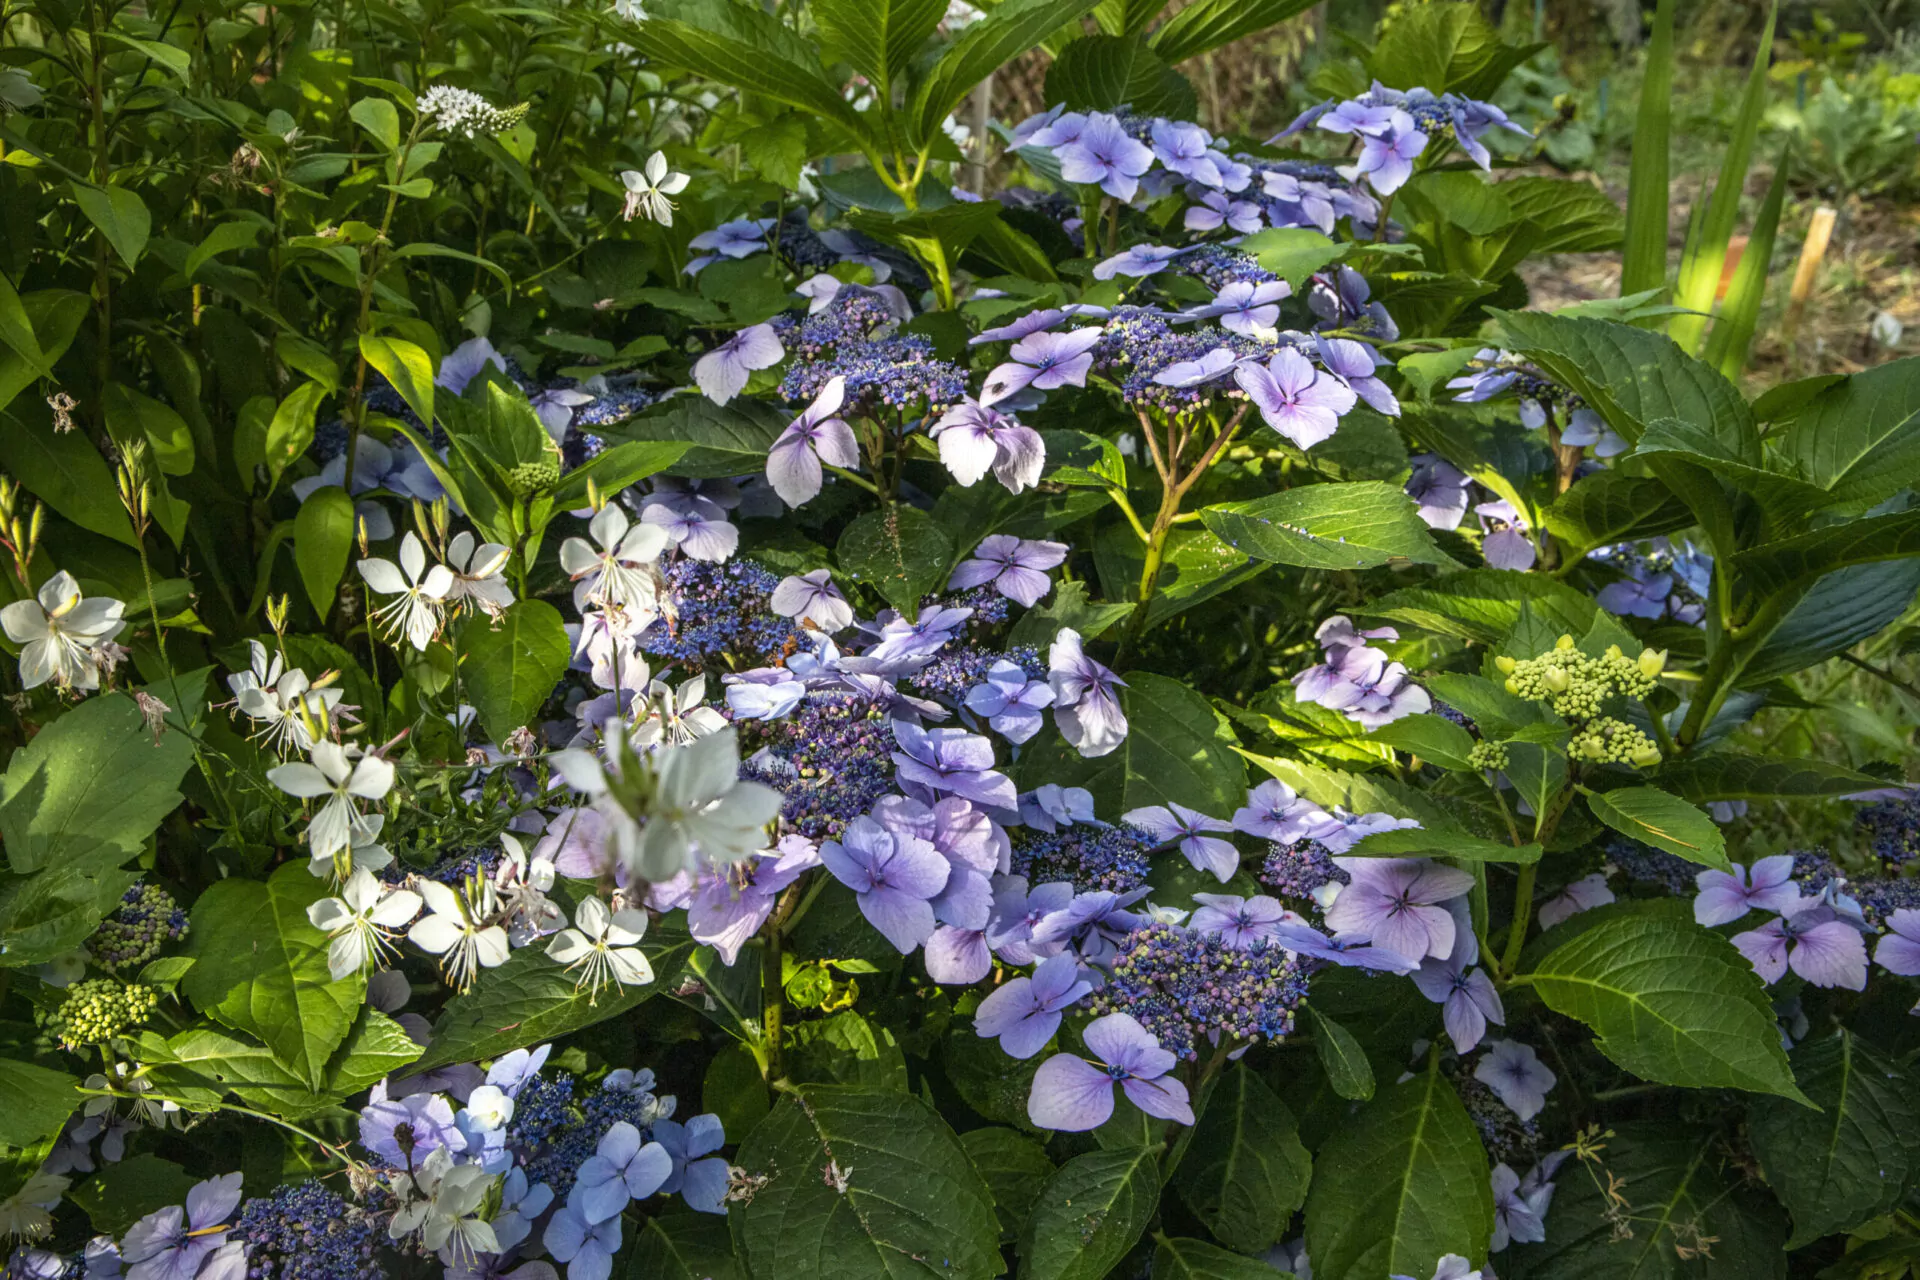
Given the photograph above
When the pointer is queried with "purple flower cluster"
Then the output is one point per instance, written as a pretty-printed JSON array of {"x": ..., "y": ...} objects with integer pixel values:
[
  {"x": 1393, "y": 129},
  {"x": 1357, "y": 679},
  {"x": 1820, "y": 938},
  {"x": 719, "y": 609},
  {"x": 1189, "y": 988},
  {"x": 1659, "y": 581},
  {"x": 304, "y": 1231},
  {"x": 1088, "y": 856}
]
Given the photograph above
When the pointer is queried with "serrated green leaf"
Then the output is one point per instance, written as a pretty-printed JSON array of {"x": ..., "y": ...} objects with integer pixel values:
[
  {"x": 1015, "y": 1168},
  {"x": 1420, "y": 842},
  {"x": 261, "y": 968},
  {"x": 1090, "y": 1213},
  {"x": 1399, "y": 1185},
  {"x": 984, "y": 47},
  {"x": 1613, "y": 506},
  {"x": 1850, "y": 1161},
  {"x": 1790, "y": 563},
  {"x": 1651, "y": 816},
  {"x": 511, "y": 666},
  {"x": 879, "y": 37},
  {"x": 1245, "y": 1170},
  {"x": 1208, "y": 24},
  {"x": 884, "y": 1186},
  {"x": 1181, "y": 1259},
  {"x": 683, "y": 1246},
  {"x": 1483, "y": 605},
  {"x": 899, "y": 552},
  {"x": 1358, "y": 525},
  {"x": 1671, "y": 1002}
]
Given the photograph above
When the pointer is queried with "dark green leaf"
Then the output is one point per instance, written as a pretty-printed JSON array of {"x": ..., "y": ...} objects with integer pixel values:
[
  {"x": 1208, "y": 24},
  {"x": 1651, "y": 816},
  {"x": 1840, "y": 611},
  {"x": 1736, "y": 776},
  {"x": 1853, "y": 1159},
  {"x": 1015, "y": 1168},
  {"x": 1402, "y": 1183},
  {"x": 120, "y": 214},
  {"x": 1089, "y": 1214},
  {"x": 1341, "y": 1057},
  {"x": 1613, "y": 506},
  {"x": 1671, "y": 1002},
  {"x": 1795, "y": 562},
  {"x": 1484, "y": 604},
  {"x": 1245, "y": 1172},
  {"x": 898, "y": 552},
  {"x": 880, "y": 1181},
  {"x": 34, "y": 1102},
  {"x": 323, "y": 533},
  {"x": 1423, "y": 842},
  {"x": 683, "y": 1246},
  {"x": 64, "y": 470},
  {"x": 984, "y": 47},
  {"x": 725, "y": 440},
  {"x": 1181, "y": 1259},
  {"x": 120, "y": 1194}
]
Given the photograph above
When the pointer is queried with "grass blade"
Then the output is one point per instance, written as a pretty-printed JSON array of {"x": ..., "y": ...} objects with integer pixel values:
[
  {"x": 1733, "y": 328},
  {"x": 1706, "y": 255},
  {"x": 1643, "y": 264}
]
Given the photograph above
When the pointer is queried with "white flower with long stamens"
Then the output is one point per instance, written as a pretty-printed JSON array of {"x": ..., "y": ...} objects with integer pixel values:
[
  {"x": 523, "y": 884},
  {"x": 700, "y": 801},
  {"x": 477, "y": 574},
  {"x": 362, "y": 922},
  {"x": 263, "y": 670},
  {"x": 291, "y": 712},
  {"x": 336, "y": 775},
  {"x": 28, "y": 1212},
  {"x": 445, "y": 1211},
  {"x": 676, "y": 716},
  {"x": 61, "y": 634},
  {"x": 647, "y": 192},
  {"x": 417, "y": 590},
  {"x": 365, "y": 851},
  {"x": 602, "y": 945},
  {"x": 620, "y": 570},
  {"x": 461, "y": 929}
]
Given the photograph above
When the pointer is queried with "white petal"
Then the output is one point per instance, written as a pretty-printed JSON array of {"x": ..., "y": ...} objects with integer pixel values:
[
  {"x": 630, "y": 966},
  {"x": 383, "y": 576},
  {"x": 436, "y": 934}
]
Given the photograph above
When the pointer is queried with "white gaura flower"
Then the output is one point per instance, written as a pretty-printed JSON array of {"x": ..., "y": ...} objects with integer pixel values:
[
  {"x": 701, "y": 802},
  {"x": 417, "y": 590},
  {"x": 263, "y": 670},
  {"x": 676, "y": 716},
  {"x": 28, "y": 1212},
  {"x": 61, "y": 634},
  {"x": 620, "y": 569},
  {"x": 444, "y": 1213},
  {"x": 647, "y": 192},
  {"x": 477, "y": 574},
  {"x": 523, "y": 883},
  {"x": 461, "y": 929},
  {"x": 367, "y": 851},
  {"x": 289, "y": 711},
  {"x": 602, "y": 945},
  {"x": 336, "y": 775},
  {"x": 361, "y": 921}
]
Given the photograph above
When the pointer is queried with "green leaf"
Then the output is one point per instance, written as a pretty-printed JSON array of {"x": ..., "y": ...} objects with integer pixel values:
[
  {"x": 1445, "y": 46},
  {"x": 1195, "y": 567},
  {"x": 16, "y": 330},
  {"x": 121, "y": 1194},
  {"x": 880, "y": 1181},
  {"x": 1737, "y": 776},
  {"x": 511, "y": 666},
  {"x": 879, "y": 37},
  {"x": 420, "y": 188},
  {"x": 290, "y": 430},
  {"x": 380, "y": 119},
  {"x": 1431, "y": 737},
  {"x": 1015, "y": 1168},
  {"x": 1671, "y": 1002},
  {"x": 1643, "y": 263},
  {"x": 323, "y": 532},
  {"x": 1836, "y": 613},
  {"x": 1613, "y": 506},
  {"x": 1851, "y": 1160},
  {"x": 1341, "y": 1057},
  {"x": 262, "y": 969},
  {"x": 1209, "y": 24},
  {"x": 174, "y": 59},
  {"x": 1102, "y": 72},
  {"x": 1329, "y": 526},
  {"x": 741, "y": 45},
  {"x": 1401, "y": 1183},
  {"x": 982, "y": 48},
  {"x": 1704, "y": 259},
  {"x": 724, "y": 440},
  {"x": 34, "y": 1102},
  {"x": 897, "y": 551},
  {"x": 1245, "y": 1171},
  {"x": 92, "y": 783},
  {"x": 54, "y": 316},
  {"x": 616, "y": 469},
  {"x": 1859, "y": 439},
  {"x": 1732, "y": 336},
  {"x": 530, "y": 999},
  {"x": 1483, "y": 605},
  {"x": 1677, "y": 1193},
  {"x": 1573, "y": 216},
  {"x": 121, "y": 216},
  {"x": 1293, "y": 253},
  {"x": 1178, "y": 749},
  {"x": 1069, "y": 608},
  {"x": 407, "y": 367},
  {"x": 226, "y": 237},
  {"x": 1667, "y": 822},
  {"x": 1790, "y": 563},
  {"x": 683, "y": 1246},
  {"x": 66, "y": 471},
  {"x": 1424, "y": 842},
  {"x": 1181, "y": 1259},
  {"x": 847, "y": 1049},
  {"x": 1089, "y": 1214}
]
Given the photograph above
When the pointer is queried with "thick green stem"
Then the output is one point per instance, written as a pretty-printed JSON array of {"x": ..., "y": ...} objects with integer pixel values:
[{"x": 1522, "y": 917}]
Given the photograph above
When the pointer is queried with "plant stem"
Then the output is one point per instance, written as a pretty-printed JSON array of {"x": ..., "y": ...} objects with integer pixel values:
[
  {"x": 773, "y": 986},
  {"x": 1522, "y": 917}
]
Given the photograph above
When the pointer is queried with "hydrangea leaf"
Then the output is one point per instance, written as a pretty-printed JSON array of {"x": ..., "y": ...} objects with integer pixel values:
[
  {"x": 1853, "y": 1159},
  {"x": 883, "y": 1186},
  {"x": 1089, "y": 1214},
  {"x": 684, "y": 1246},
  {"x": 1178, "y": 1258},
  {"x": 1245, "y": 1171},
  {"x": 1669, "y": 1001},
  {"x": 1015, "y": 1167},
  {"x": 1666, "y": 822},
  {"x": 1178, "y": 749},
  {"x": 1404, "y": 1182},
  {"x": 1357, "y": 525},
  {"x": 510, "y": 667}
]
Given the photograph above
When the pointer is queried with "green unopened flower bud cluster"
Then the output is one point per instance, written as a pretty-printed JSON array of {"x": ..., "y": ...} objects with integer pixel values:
[
  {"x": 1609, "y": 741},
  {"x": 1488, "y": 756},
  {"x": 1576, "y": 686},
  {"x": 99, "y": 1009},
  {"x": 147, "y": 920}
]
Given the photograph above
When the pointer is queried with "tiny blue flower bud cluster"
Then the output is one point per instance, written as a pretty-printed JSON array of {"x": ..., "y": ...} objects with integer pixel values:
[
  {"x": 1088, "y": 856},
  {"x": 719, "y": 609},
  {"x": 1188, "y": 988},
  {"x": 148, "y": 918},
  {"x": 1296, "y": 870},
  {"x": 834, "y": 761},
  {"x": 960, "y": 668},
  {"x": 1892, "y": 829},
  {"x": 306, "y": 1232}
]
